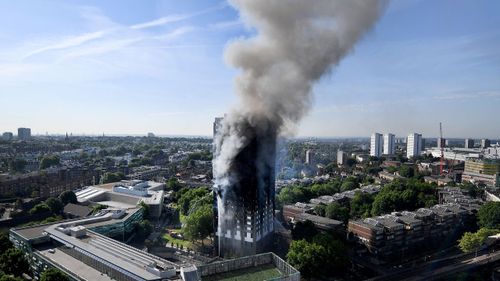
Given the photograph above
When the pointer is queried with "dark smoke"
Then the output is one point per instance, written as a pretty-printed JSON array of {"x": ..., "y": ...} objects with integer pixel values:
[{"x": 297, "y": 42}]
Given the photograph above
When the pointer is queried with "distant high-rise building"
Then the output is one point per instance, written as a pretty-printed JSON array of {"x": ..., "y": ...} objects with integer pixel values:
[
  {"x": 7, "y": 136},
  {"x": 389, "y": 144},
  {"x": 441, "y": 142},
  {"x": 485, "y": 143},
  {"x": 423, "y": 144},
  {"x": 469, "y": 143},
  {"x": 309, "y": 157},
  {"x": 341, "y": 157},
  {"x": 151, "y": 135},
  {"x": 376, "y": 145},
  {"x": 414, "y": 145},
  {"x": 24, "y": 133}
]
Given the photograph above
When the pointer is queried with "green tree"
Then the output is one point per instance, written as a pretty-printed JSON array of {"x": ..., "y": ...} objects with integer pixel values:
[
  {"x": 348, "y": 185},
  {"x": 489, "y": 215},
  {"x": 484, "y": 233},
  {"x": 336, "y": 253},
  {"x": 145, "y": 207},
  {"x": 49, "y": 161},
  {"x": 55, "y": 205},
  {"x": 406, "y": 171},
  {"x": 4, "y": 242},
  {"x": 293, "y": 194},
  {"x": 472, "y": 242},
  {"x": 53, "y": 274},
  {"x": 331, "y": 168},
  {"x": 39, "y": 209},
  {"x": 320, "y": 210},
  {"x": 9, "y": 278},
  {"x": 323, "y": 257},
  {"x": 190, "y": 197},
  {"x": 13, "y": 262},
  {"x": 304, "y": 230},
  {"x": 336, "y": 211},
  {"x": 174, "y": 184},
  {"x": 472, "y": 190},
  {"x": 469, "y": 242},
  {"x": 68, "y": 196},
  {"x": 361, "y": 205},
  {"x": 306, "y": 257},
  {"x": 112, "y": 177},
  {"x": 198, "y": 224}
]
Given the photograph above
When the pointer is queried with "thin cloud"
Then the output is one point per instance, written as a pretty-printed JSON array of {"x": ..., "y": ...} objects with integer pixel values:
[
  {"x": 161, "y": 21},
  {"x": 176, "y": 33},
  {"x": 176, "y": 18},
  {"x": 69, "y": 42},
  {"x": 102, "y": 48}
]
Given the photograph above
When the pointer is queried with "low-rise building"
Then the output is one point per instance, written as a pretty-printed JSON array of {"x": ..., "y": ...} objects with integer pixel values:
[
  {"x": 81, "y": 249},
  {"x": 402, "y": 233},
  {"x": 146, "y": 172},
  {"x": 384, "y": 175},
  {"x": 48, "y": 183},
  {"x": 125, "y": 194},
  {"x": 482, "y": 170}
]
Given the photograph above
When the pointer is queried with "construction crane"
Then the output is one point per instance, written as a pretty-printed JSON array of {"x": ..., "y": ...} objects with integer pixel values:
[{"x": 441, "y": 145}]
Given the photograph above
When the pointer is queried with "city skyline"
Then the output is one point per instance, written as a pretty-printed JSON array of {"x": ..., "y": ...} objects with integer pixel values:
[{"x": 161, "y": 69}]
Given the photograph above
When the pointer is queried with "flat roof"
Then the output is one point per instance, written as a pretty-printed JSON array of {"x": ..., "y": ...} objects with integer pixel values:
[
  {"x": 126, "y": 257},
  {"x": 319, "y": 219},
  {"x": 112, "y": 221},
  {"x": 75, "y": 266},
  {"x": 116, "y": 204},
  {"x": 31, "y": 232}
]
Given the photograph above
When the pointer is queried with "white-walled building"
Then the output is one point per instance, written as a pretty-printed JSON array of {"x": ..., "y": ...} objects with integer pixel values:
[
  {"x": 414, "y": 145},
  {"x": 376, "y": 145},
  {"x": 341, "y": 157},
  {"x": 389, "y": 144}
]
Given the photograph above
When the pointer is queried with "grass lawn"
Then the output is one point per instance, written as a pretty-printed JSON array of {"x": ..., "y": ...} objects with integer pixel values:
[
  {"x": 249, "y": 274},
  {"x": 170, "y": 239}
]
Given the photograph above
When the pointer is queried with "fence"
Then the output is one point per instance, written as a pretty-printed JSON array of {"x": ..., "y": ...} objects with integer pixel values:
[{"x": 289, "y": 273}]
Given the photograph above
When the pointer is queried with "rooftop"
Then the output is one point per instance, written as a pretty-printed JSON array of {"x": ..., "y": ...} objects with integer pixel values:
[
  {"x": 73, "y": 265},
  {"x": 132, "y": 260}
]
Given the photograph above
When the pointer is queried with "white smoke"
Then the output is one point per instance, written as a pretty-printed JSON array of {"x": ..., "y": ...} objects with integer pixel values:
[{"x": 297, "y": 42}]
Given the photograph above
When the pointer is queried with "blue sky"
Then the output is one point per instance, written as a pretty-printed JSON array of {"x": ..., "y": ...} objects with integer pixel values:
[{"x": 132, "y": 67}]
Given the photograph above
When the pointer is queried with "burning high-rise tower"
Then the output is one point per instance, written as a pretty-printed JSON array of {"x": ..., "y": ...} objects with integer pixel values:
[
  {"x": 245, "y": 203},
  {"x": 297, "y": 42}
]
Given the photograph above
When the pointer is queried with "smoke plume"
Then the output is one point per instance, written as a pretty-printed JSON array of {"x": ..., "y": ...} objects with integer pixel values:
[{"x": 296, "y": 43}]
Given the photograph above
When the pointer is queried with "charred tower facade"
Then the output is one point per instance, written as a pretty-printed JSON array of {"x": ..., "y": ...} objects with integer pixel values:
[{"x": 245, "y": 203}]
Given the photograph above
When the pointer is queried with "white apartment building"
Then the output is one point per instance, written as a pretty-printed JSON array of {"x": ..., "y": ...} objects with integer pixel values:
[
  {"x": 414, "y": 145},
  {"x": 376, "y": 145},
  {"x": 389, "y": 144}
]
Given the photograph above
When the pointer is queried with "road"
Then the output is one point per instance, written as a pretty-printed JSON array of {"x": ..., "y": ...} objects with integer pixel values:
[
  {"x": 439, "y": 268},
  {"x": 457, "y": 267}
]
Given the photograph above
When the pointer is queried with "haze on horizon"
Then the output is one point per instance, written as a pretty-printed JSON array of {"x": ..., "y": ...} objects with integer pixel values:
[{"x": 130, "y": 67}]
